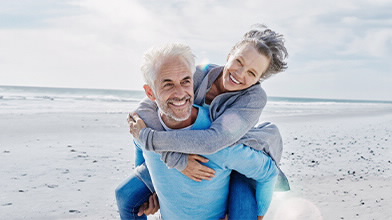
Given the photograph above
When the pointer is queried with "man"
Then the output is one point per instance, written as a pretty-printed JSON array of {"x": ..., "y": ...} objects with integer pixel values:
[{"x": 170, "y": 86}]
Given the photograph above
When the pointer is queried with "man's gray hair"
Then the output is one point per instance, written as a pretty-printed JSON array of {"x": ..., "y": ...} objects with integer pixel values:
[
  {"x": 156, "y": 56},
  {"x": 268, "y": 43}
]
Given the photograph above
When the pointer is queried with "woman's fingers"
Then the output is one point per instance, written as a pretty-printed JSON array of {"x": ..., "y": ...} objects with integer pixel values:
[
  {"x": 196, "y": 179},
  {"x": 207, "y": 170},
  {"x": 136, "y": 124},
  {"x": 202, "y": 167},
  {"x": 197, "y": 171},
  {"x": 203, "y": 175},
  {"x": 199, "y": 158}
]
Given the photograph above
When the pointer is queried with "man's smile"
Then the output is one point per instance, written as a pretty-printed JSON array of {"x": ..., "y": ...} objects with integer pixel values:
[{"x": 179, "y": 102}]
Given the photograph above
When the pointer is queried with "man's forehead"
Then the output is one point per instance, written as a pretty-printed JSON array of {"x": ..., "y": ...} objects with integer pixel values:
[{"x": 174, "y": 69}]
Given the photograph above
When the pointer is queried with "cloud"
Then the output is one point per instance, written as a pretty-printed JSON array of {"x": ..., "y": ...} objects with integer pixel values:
[
  {"x": 376, "y": 43},
  {"x": 93, "y": 43},
  {"x": 32, "y": 13}
]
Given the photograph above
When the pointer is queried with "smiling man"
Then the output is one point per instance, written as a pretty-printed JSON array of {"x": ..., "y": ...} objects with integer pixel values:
[{"x": 168, "y": 72}]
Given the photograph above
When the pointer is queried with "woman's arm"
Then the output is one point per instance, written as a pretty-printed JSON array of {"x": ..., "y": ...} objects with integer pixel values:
[
  {"x": 265, "y": 137},
  {"x": 189, "y": 165},
  {"x": 232, "y": 122}
]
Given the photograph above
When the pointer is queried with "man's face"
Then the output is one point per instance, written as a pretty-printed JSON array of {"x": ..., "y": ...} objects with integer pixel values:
[{"x": 173, "y": 89}]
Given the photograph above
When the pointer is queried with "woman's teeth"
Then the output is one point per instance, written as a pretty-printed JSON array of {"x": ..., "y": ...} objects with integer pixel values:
[{"x": 234, "y": 80}]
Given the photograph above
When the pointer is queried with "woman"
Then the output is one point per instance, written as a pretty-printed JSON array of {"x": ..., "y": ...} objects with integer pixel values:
[{"x": 236, "y": 99}]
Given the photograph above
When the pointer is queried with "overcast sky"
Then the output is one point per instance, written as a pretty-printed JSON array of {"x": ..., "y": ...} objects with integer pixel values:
[{"x": 337, "y": 49}]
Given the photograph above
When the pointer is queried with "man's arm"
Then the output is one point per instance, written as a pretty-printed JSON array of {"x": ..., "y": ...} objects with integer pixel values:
[{"x": 255, "y": 165}]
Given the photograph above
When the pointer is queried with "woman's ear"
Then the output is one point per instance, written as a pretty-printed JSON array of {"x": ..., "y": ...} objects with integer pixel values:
[{"x": 149, "y": 92}]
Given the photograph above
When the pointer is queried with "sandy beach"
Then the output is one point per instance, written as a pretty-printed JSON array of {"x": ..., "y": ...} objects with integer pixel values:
[{"x": 67, "y": 165}]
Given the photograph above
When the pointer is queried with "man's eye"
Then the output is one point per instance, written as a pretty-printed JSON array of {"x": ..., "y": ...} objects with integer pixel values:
[
  {"x": 167, "y": 85},
  {"x": 252, "y": 74},
  {"x": 239, "y": 61},
  {"x": 186, "y": 82}
]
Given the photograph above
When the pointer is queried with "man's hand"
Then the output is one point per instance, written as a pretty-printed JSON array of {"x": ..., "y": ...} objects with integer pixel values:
[
  {"x": 136, "y": 124},
  {"x": 197, "y": 171},
  {"x": 150, "y": 207}
]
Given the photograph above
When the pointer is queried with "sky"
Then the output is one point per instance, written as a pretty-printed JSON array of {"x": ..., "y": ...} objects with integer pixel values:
[{"x": 337, "y": 49}]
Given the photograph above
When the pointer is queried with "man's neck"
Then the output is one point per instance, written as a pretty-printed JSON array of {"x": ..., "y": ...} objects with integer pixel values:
[{"x": 173, "y": 124}]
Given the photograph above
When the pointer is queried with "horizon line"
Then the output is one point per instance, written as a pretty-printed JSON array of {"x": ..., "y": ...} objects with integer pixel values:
[{"x": 141, "y": 90}]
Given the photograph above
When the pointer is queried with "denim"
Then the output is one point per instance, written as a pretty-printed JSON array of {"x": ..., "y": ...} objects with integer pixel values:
[
  {"x": 243, "y": 204},
  {"x": 130, "y": 195},
  {"x": 242, "y": 200},
  {"x": 139, "y": 158}
]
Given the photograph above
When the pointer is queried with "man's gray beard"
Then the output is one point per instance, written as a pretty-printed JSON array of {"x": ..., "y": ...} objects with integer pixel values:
[{"x": 171, "y": 114}]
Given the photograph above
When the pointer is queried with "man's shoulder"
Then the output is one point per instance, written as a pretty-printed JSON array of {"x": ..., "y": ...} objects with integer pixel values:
[{"x": 203, "y": 120}]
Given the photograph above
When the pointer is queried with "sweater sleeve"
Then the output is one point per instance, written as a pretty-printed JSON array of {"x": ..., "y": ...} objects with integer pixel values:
[
  {"x": 175, "y": 160},
  {"x": 265, "y": 137},
  {"x": 234, "y": 122}
]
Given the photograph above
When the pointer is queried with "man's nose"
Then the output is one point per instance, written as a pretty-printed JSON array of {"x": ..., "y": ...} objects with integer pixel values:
[{"x": 180, "y": 91}]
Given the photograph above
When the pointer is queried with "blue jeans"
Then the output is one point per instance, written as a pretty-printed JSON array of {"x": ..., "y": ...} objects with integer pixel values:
[
  {"x": 244, "y": 194},
  {"x": 242, "y": 200},
  {"x": 130, "y": 195}
]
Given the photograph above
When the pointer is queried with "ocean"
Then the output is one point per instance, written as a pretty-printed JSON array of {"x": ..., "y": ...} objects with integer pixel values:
[{"x": 21, "y": 99}]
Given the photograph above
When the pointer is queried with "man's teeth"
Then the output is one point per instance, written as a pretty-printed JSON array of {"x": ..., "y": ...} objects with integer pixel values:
[
  {"x": 234, "y": 80},
  {"x": 179, "y": 103}
]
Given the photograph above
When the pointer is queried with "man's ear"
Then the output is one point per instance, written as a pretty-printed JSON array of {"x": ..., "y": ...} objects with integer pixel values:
[{"x": 149, "y": 92}]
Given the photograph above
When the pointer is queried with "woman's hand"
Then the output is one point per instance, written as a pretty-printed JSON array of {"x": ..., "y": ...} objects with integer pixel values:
[
  {"x": 197, "y": 171},
  {"x": 136, "y": 124}
]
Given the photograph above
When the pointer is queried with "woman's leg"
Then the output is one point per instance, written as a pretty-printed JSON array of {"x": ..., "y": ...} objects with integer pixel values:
[
  {"x": 130, "y": 195},
  {"x": 242, "y": 197}
]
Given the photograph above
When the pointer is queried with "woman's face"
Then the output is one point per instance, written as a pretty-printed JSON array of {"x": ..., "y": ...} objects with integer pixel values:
[{"x": 244, "y": 68}]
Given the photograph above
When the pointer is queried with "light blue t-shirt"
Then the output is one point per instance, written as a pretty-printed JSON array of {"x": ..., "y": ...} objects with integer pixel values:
[{"x": 183, "y": 198}]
